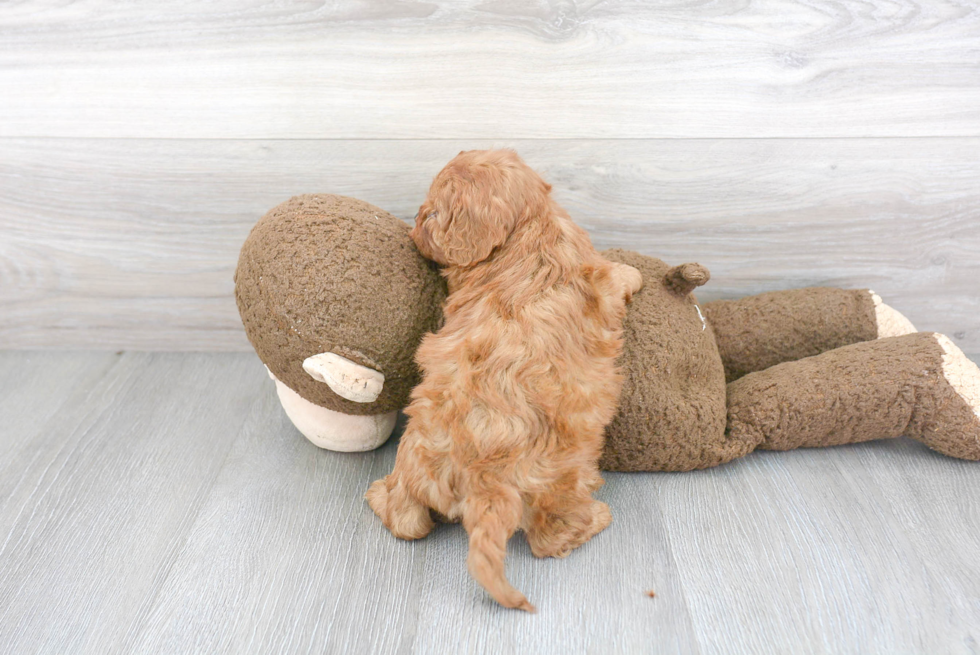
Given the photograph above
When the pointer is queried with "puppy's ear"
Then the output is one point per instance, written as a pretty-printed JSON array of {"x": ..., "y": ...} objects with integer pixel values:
[
  {"x": 479, "y": 219},
  {"x": 475, "y": 203}
]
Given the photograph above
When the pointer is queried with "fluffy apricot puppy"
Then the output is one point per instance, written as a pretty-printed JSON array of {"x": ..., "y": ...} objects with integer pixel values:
[{"x": 506, "y": 428}]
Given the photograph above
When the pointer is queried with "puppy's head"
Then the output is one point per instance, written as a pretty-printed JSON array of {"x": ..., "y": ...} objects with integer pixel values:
[{"x": 475, "y": 203}]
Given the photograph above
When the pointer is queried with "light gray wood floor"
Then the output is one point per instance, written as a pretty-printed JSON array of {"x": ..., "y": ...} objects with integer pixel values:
[{"x": 163, "y": 503}]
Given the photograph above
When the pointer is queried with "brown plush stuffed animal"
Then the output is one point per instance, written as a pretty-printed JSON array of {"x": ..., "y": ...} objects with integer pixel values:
[{"x": 335, "y": 300}]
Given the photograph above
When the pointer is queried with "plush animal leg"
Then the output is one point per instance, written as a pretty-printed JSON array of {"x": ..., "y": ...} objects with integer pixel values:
[
  {"x": 918, "y": 385},
  {"x": 757, "y": 332},
  {"x": 949, "y": 419}
]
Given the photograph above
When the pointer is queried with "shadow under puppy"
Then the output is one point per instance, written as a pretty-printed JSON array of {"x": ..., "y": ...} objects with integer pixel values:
[{"x": 506, "y": 428}]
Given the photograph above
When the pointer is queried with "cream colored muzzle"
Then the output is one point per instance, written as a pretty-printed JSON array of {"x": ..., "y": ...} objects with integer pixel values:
[{"x": 332, "y": 430}]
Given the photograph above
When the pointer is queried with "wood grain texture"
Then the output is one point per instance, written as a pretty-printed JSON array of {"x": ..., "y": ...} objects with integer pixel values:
[
  {"x": 133, "y": 244},
  {"x": 489, "y": 69},
  {"x": 163, "y": 503},
  {"x": 96, "y": 497},
  {"x": 850, "y": 539}
]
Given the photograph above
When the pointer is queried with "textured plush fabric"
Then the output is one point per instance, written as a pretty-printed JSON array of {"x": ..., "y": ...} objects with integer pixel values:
[
  {"x": 672, "y": 409},
  {"x": 872, "y": 390},
  {"x": 757, "y": 332},
  {"x": 325, "y": 273}
]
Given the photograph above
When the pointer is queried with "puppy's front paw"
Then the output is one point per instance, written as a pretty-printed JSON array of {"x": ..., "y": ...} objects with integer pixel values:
[{"x": 629, "y": 278}]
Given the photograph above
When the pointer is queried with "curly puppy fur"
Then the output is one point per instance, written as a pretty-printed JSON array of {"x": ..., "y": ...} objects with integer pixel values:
[{"x": 506, "y": 428}]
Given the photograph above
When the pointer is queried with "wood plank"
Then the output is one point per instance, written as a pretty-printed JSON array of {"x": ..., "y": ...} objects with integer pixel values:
[
  {"x": 594, "y": 601},
  {"x": 489, "y": 69},
  {"x": 96, "y": 506},
  {"x": 168, "y": 506},
  {"x": 283, "y": 548},
  {"x": 132, "y": 244},
  {"x": 287, "y": 556},
  {"x": 34, "y": 386},
  {"x": 837, "y": 546}
]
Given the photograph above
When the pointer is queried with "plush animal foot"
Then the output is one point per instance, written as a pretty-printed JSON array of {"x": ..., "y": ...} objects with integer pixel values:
[
  {"x": 891, "y": 323},
  {"x": 332, "y": 430},
  {"x": 399, "y": 511},
  {"x": 957, "y": 429},
  {"x": 561, "y": 545}
]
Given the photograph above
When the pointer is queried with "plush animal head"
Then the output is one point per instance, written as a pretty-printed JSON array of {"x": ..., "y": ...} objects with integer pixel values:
[
  {"x": 335, "y": 299},
  {"x": 475, "y": 203}
]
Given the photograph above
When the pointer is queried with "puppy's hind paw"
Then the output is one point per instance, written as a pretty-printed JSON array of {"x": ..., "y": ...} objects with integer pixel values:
[
  {"x": 601, "y": 518},
  {"x": 398, "y": 510},
  {"x": 377, "y": 497},
  {"x": 571, "y": 532}
]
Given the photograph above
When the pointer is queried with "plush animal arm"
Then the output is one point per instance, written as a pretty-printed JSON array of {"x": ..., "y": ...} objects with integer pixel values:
[{"x": 757, "y": 332}]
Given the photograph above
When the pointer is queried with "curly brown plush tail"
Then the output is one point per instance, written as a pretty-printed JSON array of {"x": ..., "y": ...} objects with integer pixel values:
[{"x": 491, "y": 516}]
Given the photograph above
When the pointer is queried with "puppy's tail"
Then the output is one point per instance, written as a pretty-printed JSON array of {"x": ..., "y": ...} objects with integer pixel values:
[{"x": 491, "y": 515}]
